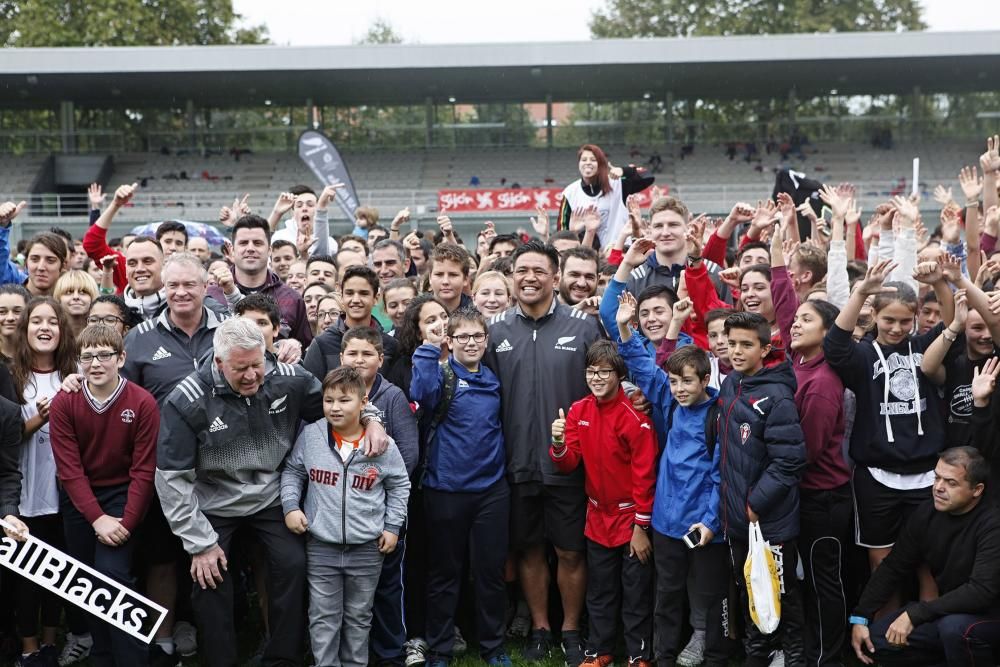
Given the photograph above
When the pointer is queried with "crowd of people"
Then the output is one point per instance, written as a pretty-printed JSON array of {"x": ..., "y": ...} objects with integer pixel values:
[{"x": 379, "y": 443}]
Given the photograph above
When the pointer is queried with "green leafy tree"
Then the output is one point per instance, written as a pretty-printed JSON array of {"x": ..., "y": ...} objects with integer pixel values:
[
  {"x": 28, "y": 23},
  {"x": 380, "y": 32}
]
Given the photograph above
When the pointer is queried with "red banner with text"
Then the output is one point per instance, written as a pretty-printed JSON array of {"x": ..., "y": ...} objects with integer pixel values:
[{"x": 474, "y": 200}]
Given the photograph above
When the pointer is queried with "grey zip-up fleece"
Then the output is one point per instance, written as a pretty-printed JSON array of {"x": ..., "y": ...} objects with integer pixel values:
[{"x": 347, "y": 502}]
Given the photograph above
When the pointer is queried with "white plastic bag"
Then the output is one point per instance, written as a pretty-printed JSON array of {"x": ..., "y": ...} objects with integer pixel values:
[{"x": 763, "y": 583}]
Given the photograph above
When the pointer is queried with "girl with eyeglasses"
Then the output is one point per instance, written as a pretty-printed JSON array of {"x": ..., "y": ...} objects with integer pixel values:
[
  {"x": 44, "y": 354},
  {"x": 75, "y": 291}
]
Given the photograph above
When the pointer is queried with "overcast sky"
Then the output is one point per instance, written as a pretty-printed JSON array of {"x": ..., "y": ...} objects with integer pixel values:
[{"x": 311, "y": 22}]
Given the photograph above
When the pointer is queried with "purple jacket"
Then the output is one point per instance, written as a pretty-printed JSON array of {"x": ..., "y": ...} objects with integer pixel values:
[{"x": 293, "y": 310}]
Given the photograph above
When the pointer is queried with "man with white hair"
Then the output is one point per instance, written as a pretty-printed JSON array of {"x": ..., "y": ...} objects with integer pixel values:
[{"x": 225, "y": 431}]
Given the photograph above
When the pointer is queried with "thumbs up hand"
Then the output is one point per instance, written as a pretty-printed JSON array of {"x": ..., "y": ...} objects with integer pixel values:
[{"x": 559, "y": 428}]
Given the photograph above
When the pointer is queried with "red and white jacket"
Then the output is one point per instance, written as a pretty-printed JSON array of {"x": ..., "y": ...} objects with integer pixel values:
[{"x": 618, "y": 447}]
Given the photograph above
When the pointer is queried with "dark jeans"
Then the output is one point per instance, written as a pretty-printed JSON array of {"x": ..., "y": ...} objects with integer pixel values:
[
  {"x": 619, "y": 585},
  {"x": 30, "y": 598},
  {"x": 825, "y": 534},
  {"x": 286, "y": 584},
  {"x": 954, "y": 640},
  {"x": 709, "y": 571},
  {"x": 474, "y": 525},
  {"x": 789, "y": 637},
  {"x": 111, "y": 645}
]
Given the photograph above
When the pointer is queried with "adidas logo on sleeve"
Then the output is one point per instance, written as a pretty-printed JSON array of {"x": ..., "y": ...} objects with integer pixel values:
[
  {"x": 161, "y": 354},
  {"x": 217, "y": 425}
]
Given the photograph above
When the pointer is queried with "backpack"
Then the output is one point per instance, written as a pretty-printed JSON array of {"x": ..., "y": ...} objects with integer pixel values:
[
  {"x": 712, "y": 416},
  {"x": 429, "y": 422}
]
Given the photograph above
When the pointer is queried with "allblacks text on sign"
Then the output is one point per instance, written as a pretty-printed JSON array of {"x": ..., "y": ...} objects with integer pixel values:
[{"x": 82, "y": 585}]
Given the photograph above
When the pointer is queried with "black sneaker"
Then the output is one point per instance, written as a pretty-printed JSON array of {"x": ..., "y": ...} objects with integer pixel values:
[
  {"x": 539, "y": 645},
  {"x": 160, "y": 658},
  {"x": 572, "y": 646}
]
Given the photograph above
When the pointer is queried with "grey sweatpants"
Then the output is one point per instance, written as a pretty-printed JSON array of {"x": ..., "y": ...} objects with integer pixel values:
[{"x": 342, "y": 580}]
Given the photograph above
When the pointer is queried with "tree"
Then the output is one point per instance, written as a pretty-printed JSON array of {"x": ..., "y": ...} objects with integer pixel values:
[
  {"x": 682, "y": 18},
  {"x": 38, "y": 23},
  {"x": 381, "y": 32}
]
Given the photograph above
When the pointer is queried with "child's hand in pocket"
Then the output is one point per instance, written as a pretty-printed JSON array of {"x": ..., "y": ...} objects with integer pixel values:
[
  {"x": 387, "y": 543},
  {"x": 296, "y": 522}
]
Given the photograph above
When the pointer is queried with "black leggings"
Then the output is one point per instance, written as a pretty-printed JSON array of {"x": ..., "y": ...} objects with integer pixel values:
[{"x": 30, "y": 597}]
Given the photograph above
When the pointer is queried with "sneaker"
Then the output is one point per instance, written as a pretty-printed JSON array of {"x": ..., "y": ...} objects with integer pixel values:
[
  {"x": 160, "y": 658},
  {"x": 460, "y": 646},
  {"x": 539, "y": 645},
  {"x": 597, "y": 661},
  {"x": 572, "y": 646},
  {"x": 76, "y": 648},
  {"x": 416, "y": 652},
  {"x": 694, "y": 653},
  {"x": 185, "y": 639},
  {"x": 499, "y": 660},
  {"x": 778, "y": 659},
  {"x": 519, "y": 627}
]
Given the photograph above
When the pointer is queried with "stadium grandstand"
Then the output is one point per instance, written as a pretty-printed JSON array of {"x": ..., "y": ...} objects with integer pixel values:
[{"x": 191, "y": 169}]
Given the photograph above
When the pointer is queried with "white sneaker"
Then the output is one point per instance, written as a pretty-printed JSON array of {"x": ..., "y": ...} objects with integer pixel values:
[
  {"x": 778, "y": 659},
  {"x": 76, "y": 648},
  {"x": 694, "y": 653},
  {"x": 185, "y": 639},
  {"x": 520, "y": 625},
  {"x": 416, "y": 651},
  {"x": 460, "y": 646}
]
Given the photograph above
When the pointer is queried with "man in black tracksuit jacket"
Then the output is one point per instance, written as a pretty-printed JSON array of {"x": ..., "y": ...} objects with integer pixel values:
[{"x": 762, "y": 459}]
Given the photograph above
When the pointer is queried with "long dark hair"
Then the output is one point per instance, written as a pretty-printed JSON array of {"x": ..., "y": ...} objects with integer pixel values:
[
  {"x": 409, "y": 336},
  {"x": 23, "y": 362},
  {"x": 603, "y": 177}
]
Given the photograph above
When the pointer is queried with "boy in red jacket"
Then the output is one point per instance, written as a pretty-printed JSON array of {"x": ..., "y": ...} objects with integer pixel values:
[
  {"x": 618, "y": 448},
  {"x": 104, "y": 445}
]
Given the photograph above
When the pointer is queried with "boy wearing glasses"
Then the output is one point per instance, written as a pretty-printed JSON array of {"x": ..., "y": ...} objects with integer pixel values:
[
  {"x": 465, "y": 492},
  {"x": 617, "y": 446},
  {"x": 104, "y": 444}
]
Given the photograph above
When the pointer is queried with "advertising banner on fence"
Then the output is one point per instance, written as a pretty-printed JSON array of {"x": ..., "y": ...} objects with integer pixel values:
[
  {"x": 474, "y": 200},
  {"x": 325, "y": 161},
  {"x": 82, "y": 585}
]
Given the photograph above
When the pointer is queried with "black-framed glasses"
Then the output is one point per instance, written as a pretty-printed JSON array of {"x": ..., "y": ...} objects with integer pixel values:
[
  {"x": 463, "y": 339},
  {"x": 327, "y": 314},
  {"x": 110, "y": 320},
  {"x": 103, "y": 357},
  {"x": 599, "y": 373}
]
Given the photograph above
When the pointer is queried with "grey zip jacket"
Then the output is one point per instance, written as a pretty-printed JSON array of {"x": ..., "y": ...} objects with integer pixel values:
[{"x": 346, "y": 502}]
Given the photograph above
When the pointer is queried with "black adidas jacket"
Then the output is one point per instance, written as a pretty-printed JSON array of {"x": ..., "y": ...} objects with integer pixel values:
[{"x": 540, "y": 364}]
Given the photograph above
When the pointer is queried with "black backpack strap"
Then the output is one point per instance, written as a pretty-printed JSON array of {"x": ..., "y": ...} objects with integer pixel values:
[
  {"x": 440, "y": 412},
  {"x": 712, "y": 428}
]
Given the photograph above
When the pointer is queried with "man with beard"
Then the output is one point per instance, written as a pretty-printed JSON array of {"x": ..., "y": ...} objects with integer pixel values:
[{"x": 578, "y": 280}]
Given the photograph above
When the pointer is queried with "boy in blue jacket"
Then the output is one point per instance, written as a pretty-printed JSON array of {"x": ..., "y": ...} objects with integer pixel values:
[
  {"x": 687, "y": 493},
  {"x": 763, "y": 456},
  {"x": 466, "y": 497}
]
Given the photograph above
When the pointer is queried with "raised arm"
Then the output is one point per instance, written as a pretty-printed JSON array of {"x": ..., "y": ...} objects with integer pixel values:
[
  {"x": 972, "y": 188},
  {"x": 932, "y": 363}
]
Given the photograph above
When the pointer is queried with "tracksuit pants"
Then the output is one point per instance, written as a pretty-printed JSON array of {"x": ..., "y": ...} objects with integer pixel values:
[
  {"x": 31, "y": 600},
  {"x": 111, "y": 645},
  {"x": 955, "y": 640},
  {"x": 789, "y": 635},
  {"x": 619, "y": 585},
  {"x": 342, "y": 580},
  {"x": 473, "y": 524},
  {"x": 825, "y": 534},
  {"x": 706, "y": 569},
  {"x": 286, "y": 587}
]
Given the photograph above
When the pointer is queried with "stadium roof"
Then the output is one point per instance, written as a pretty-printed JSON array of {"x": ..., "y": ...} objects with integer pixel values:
[{"x": 708, "y": 67}]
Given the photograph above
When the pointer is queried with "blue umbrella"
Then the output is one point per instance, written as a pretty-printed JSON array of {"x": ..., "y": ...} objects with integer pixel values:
[{"x": 204, "y": 230}]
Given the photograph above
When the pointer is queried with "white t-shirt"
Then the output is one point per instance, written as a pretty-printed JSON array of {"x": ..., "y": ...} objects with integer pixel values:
[
  {"x": 613, "y": 212},
  {"x": 39, "y": 489}
]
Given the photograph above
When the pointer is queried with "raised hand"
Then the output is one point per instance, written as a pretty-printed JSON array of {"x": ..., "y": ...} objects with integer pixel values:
[
  {"x": 837, "y": 203},
  {"x": 696, "y": 235},
  {"x": 764, "y": 215},
  {"x": 961, "y": 309},
  {"x": 591, "y": 218},
  {"x": 984, "y": 381},
  {"x": 951, "y": 268},
  {"x": 971, "y": 183},
  {"x": 436, "y": 333},
  {"x": 906, "y": 208},
  {"x": 853, "y": 216},
  {"x": 9, "y": 210},
  {"x": 591, "y": 305},
  {"x": 284, "y": 203},
  {"x": 874, "y": 278},
  {"x": 787, "y": 207},
  {"x": 402, "y": 217},
  {"x": 927, "y": 273},
  {"x": 559, "y": 428},
  {"x": 95, "y": 195},
  {"x": 539, "y": 222},
  {"x": 328, "y": 195},
  {"x": 682, "y": 310},
  {"x": 731, "y": 277},
  {"x": 990, "y": 160},
  {"x": 635, "y": 216},
  {"x": 942, "y": 195},
  {"x": 626, "y": 308},
  {"x": 638, "y": 252},
  {"x": 124, "y": 194},
  {"x": 951, "y": 231}
]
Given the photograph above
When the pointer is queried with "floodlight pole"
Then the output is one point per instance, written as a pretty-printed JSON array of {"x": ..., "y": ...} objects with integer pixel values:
[{"x": 548, "y": 120}]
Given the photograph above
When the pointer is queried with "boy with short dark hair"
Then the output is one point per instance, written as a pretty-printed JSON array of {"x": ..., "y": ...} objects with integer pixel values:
[
  {"x": 763, "y": 456},
  {"x": 617, "y": 446},
  {"x": 687, "y": 494},
  {"x": 354, "y": 509},
  {"x": 263, "y": 310},
  {"x": 104, "y": 444}
]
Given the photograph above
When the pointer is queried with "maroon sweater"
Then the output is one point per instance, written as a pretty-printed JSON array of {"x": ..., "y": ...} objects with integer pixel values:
[
  {"x": 98, "y": 449},
  {"x": 819, "y": 398}
]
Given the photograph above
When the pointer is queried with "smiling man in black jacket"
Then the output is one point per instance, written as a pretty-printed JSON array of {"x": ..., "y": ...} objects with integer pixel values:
[{"x": 958, "y": 536}]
